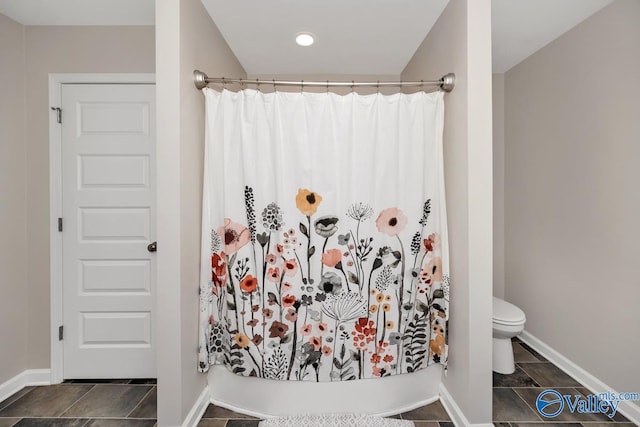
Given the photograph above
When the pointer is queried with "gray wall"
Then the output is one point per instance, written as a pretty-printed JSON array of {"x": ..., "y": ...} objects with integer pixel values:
[
  {"x": 460, "y": 42},
  {"x": 13, "y": 202},
  {"x": 187, "y": 40},
  {"x": 29, "y": 54},
  {"x": 63, "y": 50},
  {"x": 572, "y": 203}
]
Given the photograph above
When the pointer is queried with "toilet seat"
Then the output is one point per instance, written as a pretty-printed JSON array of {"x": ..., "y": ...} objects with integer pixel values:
[{"x": 505, "y": 313}]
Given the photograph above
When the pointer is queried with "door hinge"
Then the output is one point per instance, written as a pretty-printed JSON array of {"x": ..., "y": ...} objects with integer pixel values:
[
  {"x": 60, "y": 224},
  {"x": 60, "y": 333},
  {"x": 58, "y": 111}
]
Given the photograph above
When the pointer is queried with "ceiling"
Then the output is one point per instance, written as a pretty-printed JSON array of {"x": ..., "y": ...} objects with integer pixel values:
[
  {"x": 352, "y": 37},
  {"x": 376, "y": 37}
]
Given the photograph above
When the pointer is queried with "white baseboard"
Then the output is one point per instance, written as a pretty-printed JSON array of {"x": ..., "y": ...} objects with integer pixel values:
[
  {"x": 197, "y": 410},
  {"x": 26, "y": 378},
  {"x": 629, "y": 409},
  {"x": 457, "y": 416}
]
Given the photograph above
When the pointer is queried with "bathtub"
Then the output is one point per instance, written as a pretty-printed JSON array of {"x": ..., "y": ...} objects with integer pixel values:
[{"x": 264, "y": 398}]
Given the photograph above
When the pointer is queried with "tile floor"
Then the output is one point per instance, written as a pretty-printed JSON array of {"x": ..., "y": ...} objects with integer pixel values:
[
  {"x": 514, "y": 395},
  {"x": 132, "y": 403},
  {"x": 83, "y": 403}
]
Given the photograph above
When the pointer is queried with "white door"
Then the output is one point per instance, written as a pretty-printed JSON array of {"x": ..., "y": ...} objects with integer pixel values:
[{"x": 108, "y": 199}]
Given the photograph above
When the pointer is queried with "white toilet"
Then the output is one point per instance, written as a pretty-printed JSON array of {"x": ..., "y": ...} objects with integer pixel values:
[{"x": 508, "y": 321}]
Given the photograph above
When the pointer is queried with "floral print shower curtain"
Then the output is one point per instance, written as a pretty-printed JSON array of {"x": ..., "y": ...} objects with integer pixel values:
[{"x": 324, "y": 250}]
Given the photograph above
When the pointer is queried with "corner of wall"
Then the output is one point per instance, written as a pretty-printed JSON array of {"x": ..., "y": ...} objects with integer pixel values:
[
  {"x": 499, "y": 254},
  {"x": 460, "y": 42},
  {"x": 186, "y": 39}
]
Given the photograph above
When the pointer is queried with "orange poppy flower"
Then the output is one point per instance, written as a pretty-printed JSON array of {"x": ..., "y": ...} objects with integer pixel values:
[
  {"x": 307, "y": 201},
  {"x": 242, "y": 340},
  {"x": 249, "y": 284}
]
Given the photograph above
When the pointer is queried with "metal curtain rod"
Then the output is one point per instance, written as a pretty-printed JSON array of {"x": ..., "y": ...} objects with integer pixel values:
[{"x": 446, "y": 83}]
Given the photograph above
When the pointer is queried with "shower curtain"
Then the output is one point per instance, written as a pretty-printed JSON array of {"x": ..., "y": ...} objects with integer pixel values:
[{"x": 324, "y": 250}]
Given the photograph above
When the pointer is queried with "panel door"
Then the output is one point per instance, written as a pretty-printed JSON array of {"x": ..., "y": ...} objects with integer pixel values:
[{"x": 108, "y": 198}]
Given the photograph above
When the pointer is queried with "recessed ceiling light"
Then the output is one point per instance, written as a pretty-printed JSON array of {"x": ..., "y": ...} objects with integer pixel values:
[{"x": 305, "y": 39}]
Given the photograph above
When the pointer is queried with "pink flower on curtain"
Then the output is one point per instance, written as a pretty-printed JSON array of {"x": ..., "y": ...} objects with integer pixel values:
[
  {"x": 234, "y": 236},
  {"x": 290, "y": 267},
  {"x": 273, "y": 274},
  {"x": 332, "y": 257},
  {"x": 432, "y": 272},
  {"x": 391, "y": 221}
]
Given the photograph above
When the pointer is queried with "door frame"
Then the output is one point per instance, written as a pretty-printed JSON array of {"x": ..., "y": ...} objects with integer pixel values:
[{"x": 55, "y": 196}]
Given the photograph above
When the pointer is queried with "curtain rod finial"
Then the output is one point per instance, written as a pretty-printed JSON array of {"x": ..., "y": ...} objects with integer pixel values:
[
  {"x": 448, "y": 82},
  {"x": 199, "y": 79}
]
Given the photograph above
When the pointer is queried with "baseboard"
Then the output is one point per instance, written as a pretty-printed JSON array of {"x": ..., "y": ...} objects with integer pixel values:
[
  {"x": 197, "y": 410},
  {"x": 455, "y": 413},
  {"x": 627, "y": 408},
  {"x": 26, "y": 378}
]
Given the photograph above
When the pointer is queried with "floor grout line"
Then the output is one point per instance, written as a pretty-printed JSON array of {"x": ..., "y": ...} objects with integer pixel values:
[
  {"x": 76, "y": 401},
  {"x": 140, "y": 402}
]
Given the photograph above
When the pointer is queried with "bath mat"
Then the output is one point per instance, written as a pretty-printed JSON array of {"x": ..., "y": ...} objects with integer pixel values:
[{"x": 335, "y": 420}]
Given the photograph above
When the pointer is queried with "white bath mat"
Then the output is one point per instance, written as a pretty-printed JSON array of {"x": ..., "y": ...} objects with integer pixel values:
[{"x": 335, "y": 420}]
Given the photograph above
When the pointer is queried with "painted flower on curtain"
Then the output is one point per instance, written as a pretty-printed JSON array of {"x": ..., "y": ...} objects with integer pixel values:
[
  {"x": 324, "y": 300},
  {"x": 234, "y": 236}
]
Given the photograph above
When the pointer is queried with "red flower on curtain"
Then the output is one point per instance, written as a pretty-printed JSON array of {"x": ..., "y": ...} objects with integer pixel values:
[{"x": 218, "y": 271}]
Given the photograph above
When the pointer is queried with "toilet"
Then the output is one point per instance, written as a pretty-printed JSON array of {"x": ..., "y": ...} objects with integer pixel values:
[{"x": 508, "y": 321}]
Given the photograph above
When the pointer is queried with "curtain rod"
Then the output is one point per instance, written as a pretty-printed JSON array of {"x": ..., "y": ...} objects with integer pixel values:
[{"x": 446, "y": 83}]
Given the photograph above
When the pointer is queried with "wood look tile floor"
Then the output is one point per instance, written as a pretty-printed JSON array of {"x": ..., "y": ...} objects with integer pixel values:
[{"x": 132, "y": 403}]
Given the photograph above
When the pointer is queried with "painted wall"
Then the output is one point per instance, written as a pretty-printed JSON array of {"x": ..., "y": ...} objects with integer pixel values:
[
  {"x": 460, "y": 42},
  {"x": 63, "y": 50},
  {"x": 187, "y": 39},
  {"x": 498, "y": 185},
  {"x": 13, "y": 202},
  {"x": 571, "y": 193}
]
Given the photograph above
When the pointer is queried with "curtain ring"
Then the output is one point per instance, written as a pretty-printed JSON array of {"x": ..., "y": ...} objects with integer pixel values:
[
  {"x": 301, "y": 85},
  {"x": 258, "y": 85},
  {"x": 223, "y": 84},
  {"x": 327, "y": 86},
  {"x": 422, "y": 85},
  {"x": 241, "y": 84},
  {"x": 352, "y": 86},
  {"x": 378, "y": 86},
  {"x": 274, "y": 85}
]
